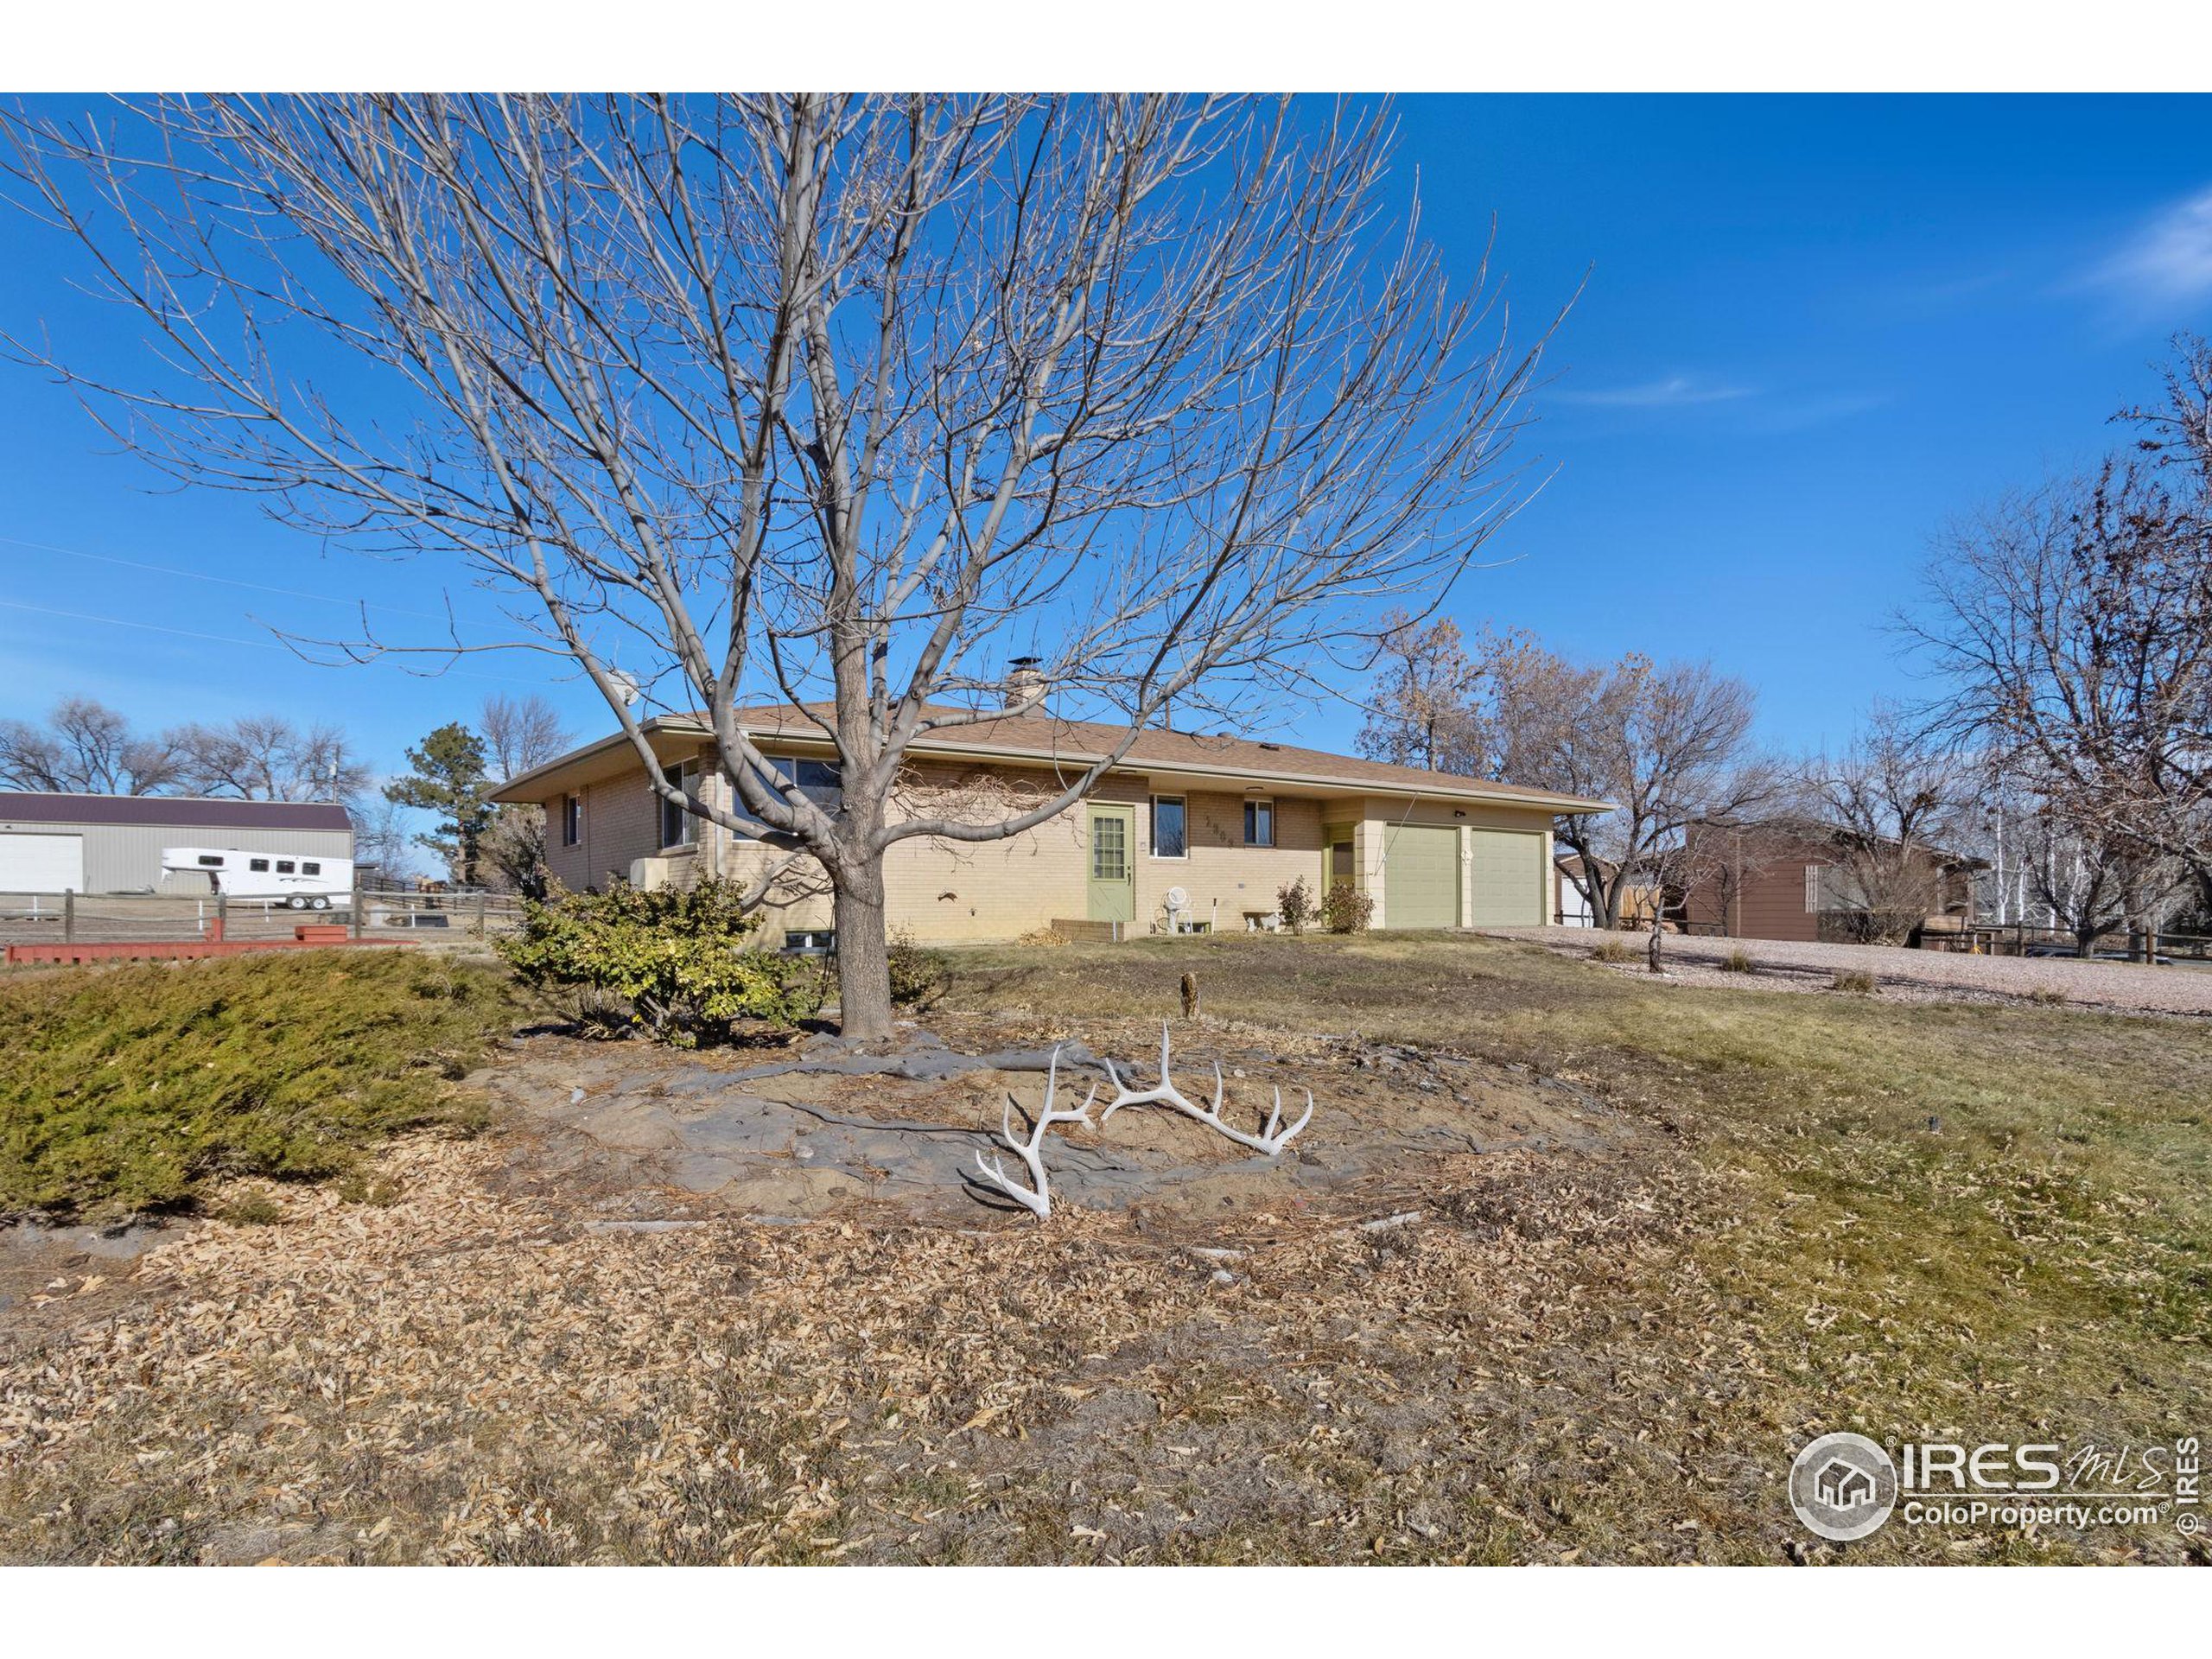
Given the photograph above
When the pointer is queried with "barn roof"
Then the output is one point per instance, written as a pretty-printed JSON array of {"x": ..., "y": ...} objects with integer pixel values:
[{"x": 171, "y": 812}]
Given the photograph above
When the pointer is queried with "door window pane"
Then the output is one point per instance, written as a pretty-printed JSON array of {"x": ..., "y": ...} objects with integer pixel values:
[{"x": 1109, "y": 849}]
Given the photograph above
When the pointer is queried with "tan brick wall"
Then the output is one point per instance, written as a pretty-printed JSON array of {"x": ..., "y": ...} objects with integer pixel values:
[
  {"x": 621, "y": 823},
  {"x": 1223, "y": 877}
]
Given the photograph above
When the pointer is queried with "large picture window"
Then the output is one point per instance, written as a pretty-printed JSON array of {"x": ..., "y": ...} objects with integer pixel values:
[
  {"x": 1170, "y": 836},
  {"x": 820, "y": 781},
  {"x": 1259, "y": 823}
]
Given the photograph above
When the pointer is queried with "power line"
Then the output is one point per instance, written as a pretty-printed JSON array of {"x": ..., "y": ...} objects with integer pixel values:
[
  {"x": 225, "y": 640},
  {"x": 227, "y": 581}
]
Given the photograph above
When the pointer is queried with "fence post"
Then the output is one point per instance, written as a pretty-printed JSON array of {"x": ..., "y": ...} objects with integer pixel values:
[
  {"x": 69, "y": 917},
  {"x": 354, "y": 918},
  {"x": 222, "y": 916},
  {"x": 479, "y": 915}
]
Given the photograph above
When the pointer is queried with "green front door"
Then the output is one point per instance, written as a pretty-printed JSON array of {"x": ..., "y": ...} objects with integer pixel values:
[{"x": 1113, "y": 863}]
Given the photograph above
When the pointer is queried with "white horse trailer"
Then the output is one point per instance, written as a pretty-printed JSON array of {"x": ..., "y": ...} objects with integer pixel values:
[{"x": 291, "y": 880}]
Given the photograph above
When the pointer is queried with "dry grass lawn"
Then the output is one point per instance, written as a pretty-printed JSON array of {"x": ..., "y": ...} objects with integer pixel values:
[{"x": 1818, "y": 1212}]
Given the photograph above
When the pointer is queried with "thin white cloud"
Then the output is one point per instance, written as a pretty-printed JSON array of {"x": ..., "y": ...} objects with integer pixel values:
[
  {"x": 1676, "y": 391},
  {"x": 2169, "y": 262}
]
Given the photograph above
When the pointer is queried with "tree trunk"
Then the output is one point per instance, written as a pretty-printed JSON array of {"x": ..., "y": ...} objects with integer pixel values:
[{"x": 863, "y": 955}]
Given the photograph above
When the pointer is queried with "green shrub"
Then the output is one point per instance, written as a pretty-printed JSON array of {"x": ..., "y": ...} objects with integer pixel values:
[
  {"x": 1346, "y": 909},
  {"x": 674, "y": 963},
  {"x": 1295, "y": 904},
  {"x": 132, "y": 1088},
  {"x": 917, "y": 973}
]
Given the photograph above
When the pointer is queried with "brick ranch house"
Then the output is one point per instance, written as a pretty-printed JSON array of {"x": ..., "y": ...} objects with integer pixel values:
[{"x": 1227, "y": 820}]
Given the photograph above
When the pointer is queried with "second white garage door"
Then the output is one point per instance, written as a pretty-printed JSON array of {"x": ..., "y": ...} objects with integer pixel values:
[
  {"x": 42, "y": 863},
  {"x": 1508, "y": 878}
]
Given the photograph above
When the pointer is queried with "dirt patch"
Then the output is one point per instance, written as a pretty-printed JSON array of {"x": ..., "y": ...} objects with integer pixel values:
[{"x": 822, "y": 1130}]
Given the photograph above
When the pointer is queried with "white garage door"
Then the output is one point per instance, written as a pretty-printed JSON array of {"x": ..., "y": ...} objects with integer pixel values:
[
  {"x": 42, "y": 863},
  {"x": 1508, "y": 878}
]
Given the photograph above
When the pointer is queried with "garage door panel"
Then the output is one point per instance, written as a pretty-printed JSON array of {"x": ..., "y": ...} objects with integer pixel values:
[
  {"x": 1421, "y": 880},
  {"x": 1508, "y": 873},
  {"x": 42, "y": 863}
]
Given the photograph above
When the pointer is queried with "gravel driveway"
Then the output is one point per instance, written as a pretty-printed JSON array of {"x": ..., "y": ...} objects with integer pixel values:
[{"x": 1930, "y": 974}]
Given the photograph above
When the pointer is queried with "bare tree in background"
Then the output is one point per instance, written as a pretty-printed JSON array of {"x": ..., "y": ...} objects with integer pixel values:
[
  {"x": 88, "y": 748},
  {"x": 1427, "y": 710},
  {"x": 519, "y": 733},
  {"x": 1671, "y": 745},
  {"x": 2074, "y": 627},
  {"x": 842, "y": 402},
  {"x": 1895, "y": 805},
  {"x": 267, "y": 757}
]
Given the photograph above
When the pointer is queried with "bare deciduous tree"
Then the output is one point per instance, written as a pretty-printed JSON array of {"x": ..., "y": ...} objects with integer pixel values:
[
  {"x": 1894, "y": 806},
  {"x": 267, "y": 757},
  {"x": 1670, "y": 745},
  {"x": 2074, "y": 625},
  {"x": 88, "y": 748},
  {"x": 842, "y": 402},
  {"x": 520, "y": 734},
  {"x": 1427, "y": 708}
]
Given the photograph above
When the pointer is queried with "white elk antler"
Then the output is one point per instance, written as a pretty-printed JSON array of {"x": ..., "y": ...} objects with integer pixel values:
[
  {"x": 1039, "y": 1199},
  {"x": 1270, "y": 1140}
]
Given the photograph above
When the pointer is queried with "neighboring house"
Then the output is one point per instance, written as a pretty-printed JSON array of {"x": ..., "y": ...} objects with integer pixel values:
[
  {"x": 1225, "y": 819},
  {"x": 1787, "y": 880},
  {"x": 112, "y": 843},
  {"x": 1570, "y": 905}
]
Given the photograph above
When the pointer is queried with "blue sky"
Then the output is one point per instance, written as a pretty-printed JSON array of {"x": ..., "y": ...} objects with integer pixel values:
[{"x": 1813, "y": 329}]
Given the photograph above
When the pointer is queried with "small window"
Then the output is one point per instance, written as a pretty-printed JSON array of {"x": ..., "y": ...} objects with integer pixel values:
[
  {"x": 310, "y": 867},
  {"x": 285, "y": 867},
  {"x": 811, "y": 941},
  {"x": 572, "y": 820},
  {"x": 260, "y": 864},
  {"x": 1259, "y": 823},
  {"x": 677, "y": 827},
  {"x": 1169, "y": 838},
  {"x": 212, "y": 861}
]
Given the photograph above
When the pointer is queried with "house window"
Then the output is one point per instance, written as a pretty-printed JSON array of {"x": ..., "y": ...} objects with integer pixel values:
[
  {"x": 572, "y": 820},
  {"x": 811, "y": 942},
  {"x": 260, "y": 864},
  {"x": 1259, "y": 823},
  {"x": 1169, "y": 837},
  {"x": 679, "y": 828},
  {"x": 1812, "y": 889},
  {"x": 820, "y": 781}
]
